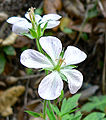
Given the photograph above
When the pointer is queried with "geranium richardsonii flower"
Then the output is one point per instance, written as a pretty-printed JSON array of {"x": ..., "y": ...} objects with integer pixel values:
[
  {"x": 22, "y": 25},
  {"x": 51, "y": 86}
]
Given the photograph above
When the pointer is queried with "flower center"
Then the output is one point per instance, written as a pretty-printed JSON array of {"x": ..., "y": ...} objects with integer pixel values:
[{"x": 59, "y": 63}]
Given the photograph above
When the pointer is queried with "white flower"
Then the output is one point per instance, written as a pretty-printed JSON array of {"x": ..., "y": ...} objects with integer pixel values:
[
  {"x": 22, "y": 25},
  {"x": 51, "y": 86}
]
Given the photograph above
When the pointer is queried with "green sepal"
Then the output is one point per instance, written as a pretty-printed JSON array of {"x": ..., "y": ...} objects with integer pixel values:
[
  {"x": 63, "y": 77},
  {"x": 69, "y": 67},
  {"x": 62, "y": 53},
  {"x": 39, "y": 30},
  {"x": 33, "y": 33},
  {"x": 44, "y": 28},
  {"x": 28, "y": 35}
]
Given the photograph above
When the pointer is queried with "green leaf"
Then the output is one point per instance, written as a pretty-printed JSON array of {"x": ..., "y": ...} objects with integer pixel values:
[
  {"x": 71, "y": 111},
  {"x": 9, "y": 50},
  {"x": 2, "y": 63},
  {"x": 93, "y": 12},
  {"x": 39, "y": 11},
  {"x": 55, "y": 108},
  {"x": 34, "y": 114},
  {"x": 50, "y": 115},
  {"x": 67, "y": 30},
  {"x": 95, "y": 116},
  {"x": 84, "y": 36},
  {"x": 95, "y": 103},
  {"x": 24, "y": 48},
  {"x": 29, "y": 71},
  {"x": 28, "y": 35},
  {"x": 77, "y": 116},
  {"x": 69, "y": 104},
  {"x": 68, "y": 117}
]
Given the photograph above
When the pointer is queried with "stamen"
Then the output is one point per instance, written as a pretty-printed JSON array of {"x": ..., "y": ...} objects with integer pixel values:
[
  {"x": 60, "y": 61},
  {"x": 32, "y": 17}
]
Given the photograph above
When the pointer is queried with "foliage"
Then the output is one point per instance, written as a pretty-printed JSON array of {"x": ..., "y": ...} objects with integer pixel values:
[
  {"x": 34, "y": 114},
  {"x": 38, "y": 11},
  {"x": 95, "y": 116},
  {"x": 68, "y": 30},
  {"x": 96, "y": 102},
  {"x": 68, "y": 107},
  {"x": 2, "y": 62},
  {"x": 8, "y": 50},
  {"x": 93, "y": 12}
]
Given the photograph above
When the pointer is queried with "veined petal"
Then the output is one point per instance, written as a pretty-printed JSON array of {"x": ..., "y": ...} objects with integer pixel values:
[
  {"x": 52, "y": 17},
  {"x": 51, "y": 24},
  {"x": 52, "y": 47},
  {"x": 21, "y": 27},
  {"x": 73, "y": 55},
  {"x": 34, "y": 59},
  {"x": 75, "y": 79},
  {"x": 51, "y": 86},
  {"x": 13, "y": 20}
]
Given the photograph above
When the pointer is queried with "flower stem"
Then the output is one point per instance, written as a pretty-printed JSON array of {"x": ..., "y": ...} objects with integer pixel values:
[
  {"x": 38, "y": 46},
  {"x": 44, "y": 109},
  {"x": 52, "y": 113}
]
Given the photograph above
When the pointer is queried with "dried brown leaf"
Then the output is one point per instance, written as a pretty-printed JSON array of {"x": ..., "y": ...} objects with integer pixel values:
[
  {"x": 103, "y": 7},
  {"x": 74, "y": 8},
  {"x": 51, "y": 6},
  {"x": 22, "y": 41},
  {"x": 68, "y": 23},
  {"x": 8, "y": 98},
  {"x": 3, "y": 16},
  {"x": 9, "y": 40}
]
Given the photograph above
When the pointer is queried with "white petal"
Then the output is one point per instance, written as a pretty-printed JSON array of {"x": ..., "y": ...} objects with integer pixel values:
[
  {"x": 21, "y": 27},
  {"x": 73, "y": 55},
  {"x": 75, "y": 79},
  {"x": 27, "y": 16},
  {"x": 51, "y": 86},
  {"x": 13, "y": 20},
  {"x": 52, "y": 17},
  {"x": 51, "y": 24},
  {"x": 52, "y": 47},
  {"x": 34, "y": 59},
  {"x": 38, "y": 18}
]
